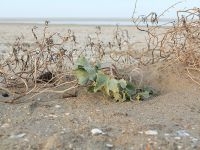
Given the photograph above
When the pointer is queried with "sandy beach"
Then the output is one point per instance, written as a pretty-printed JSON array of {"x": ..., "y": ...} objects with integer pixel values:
[
  {"x": 169, "y": 120},
  {"x": 9, "y": 32}
]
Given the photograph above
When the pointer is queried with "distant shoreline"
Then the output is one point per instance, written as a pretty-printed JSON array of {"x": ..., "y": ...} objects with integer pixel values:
[{"x": 75, "y": 21}]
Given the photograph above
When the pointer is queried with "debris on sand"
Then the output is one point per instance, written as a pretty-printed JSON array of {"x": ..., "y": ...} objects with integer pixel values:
[
  {"x": 151, "y": 132},
  {"x": 96, "y": 131},
  {"x": 109, "y": 145},
  {"x": 16, "y": 136},
  {"x": 57, "y": 106},
  {"x": 5, "y": 125},
  {"x": 182, "y": 133}
]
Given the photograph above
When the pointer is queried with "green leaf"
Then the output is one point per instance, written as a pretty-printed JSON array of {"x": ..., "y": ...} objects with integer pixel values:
[
  {"x": 113, "y": 85},
  {"x": 82, "y": 75},
  {"x": 150, "y": 90},
  {"x": 97, "y": 66},
  {"x": 106, "y": 88},
  {"x": 122, "y": 83},
  {"x": 101, "y": 81},
  {"x": 117, "y": 96},
  {"x": 130, "y": 86},
  {"x": 81, "y": 62},
  {"x": 91, "y": 89},
  {"x": 120, "y": 90},
  {"x": 130, "y": 89},
  {"x": 91, "y": 71},
  {"x": 144, "y": 95},
  {"x": 124, "y": 97},
  {"x": 138, "y": 97}
]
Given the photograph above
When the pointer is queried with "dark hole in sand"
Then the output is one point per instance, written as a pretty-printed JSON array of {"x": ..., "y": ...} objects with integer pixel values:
[
  {"x": 5, "y": 94},
  {"x": 46, "y": 77}
]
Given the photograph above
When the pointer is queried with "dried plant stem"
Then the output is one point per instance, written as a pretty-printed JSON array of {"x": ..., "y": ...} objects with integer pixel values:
[
  {"x": 192, "y": 77},
  {"x": 53, "y": 91}
]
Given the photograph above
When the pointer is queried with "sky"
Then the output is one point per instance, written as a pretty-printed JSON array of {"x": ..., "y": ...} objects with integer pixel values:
[{"x": 89, "y": 8}]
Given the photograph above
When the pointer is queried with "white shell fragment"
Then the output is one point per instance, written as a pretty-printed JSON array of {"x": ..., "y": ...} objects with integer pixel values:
[
  {"x": 109, "y": 145},
  {"x": 96, "y": 131},
  {"x": 57, "y": 106},
  {"x": 182, "y": 133},
  {"x": 151, "y": 132},
  {"x": 17, "y": 136},
  {"x": 5, "y": 125}
]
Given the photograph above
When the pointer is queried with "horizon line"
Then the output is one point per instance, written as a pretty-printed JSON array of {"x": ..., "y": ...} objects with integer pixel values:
[{"x": 73, "y": 19}]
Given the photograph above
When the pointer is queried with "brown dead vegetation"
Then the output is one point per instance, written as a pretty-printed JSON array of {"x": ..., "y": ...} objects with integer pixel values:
[{"x": 48, "y": 63}]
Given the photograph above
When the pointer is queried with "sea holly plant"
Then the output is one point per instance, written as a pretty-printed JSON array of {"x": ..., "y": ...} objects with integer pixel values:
[{"x": 97, "y": 80}]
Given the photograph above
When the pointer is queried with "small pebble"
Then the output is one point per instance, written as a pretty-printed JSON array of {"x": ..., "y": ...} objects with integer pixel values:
[
  {"x": 5, "y": 125},
  {"x": 57, "y": 106},
  {"x": 140, "y": 132},
  {"x": 151, "y": 132},
  {"x": 177, "y": 138},
  {"x": 194, "y": 140},
  {"x": 67, "y": 114},
  {"x": 54, "y": 116},
  {"x": 26, "y": 140},
  {"x": 149, "y": 139},
  {"x": 17, "y": 136},
  {"x": 96, "y": 131},
  {"x": 70, "y": 146},
  {"x": 182, "y": 133},
  {"x": 179, "y": 147},
  {"x": 167, "y": 134},
  {"x": 109, "y": 145}
]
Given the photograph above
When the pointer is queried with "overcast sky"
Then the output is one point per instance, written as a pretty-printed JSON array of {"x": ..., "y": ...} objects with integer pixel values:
[{"x": 89, "y": 8}]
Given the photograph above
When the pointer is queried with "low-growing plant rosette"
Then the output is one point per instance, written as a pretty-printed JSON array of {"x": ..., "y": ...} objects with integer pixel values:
[{"x": 119, "y": 89}]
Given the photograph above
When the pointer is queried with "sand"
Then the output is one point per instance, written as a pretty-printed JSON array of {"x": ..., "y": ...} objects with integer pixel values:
[{"x": 167, "y": 121}]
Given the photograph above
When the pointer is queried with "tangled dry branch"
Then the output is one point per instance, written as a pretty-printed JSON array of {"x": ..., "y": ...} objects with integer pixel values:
[
  {"x": 180, "y": 41},
  {"x": 48, "y": 62}
]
